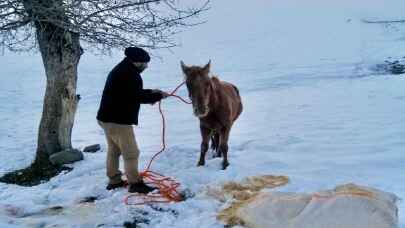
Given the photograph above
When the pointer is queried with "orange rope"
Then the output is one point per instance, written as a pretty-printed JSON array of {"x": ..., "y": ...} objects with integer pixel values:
[{"x": 167, "y": 186}]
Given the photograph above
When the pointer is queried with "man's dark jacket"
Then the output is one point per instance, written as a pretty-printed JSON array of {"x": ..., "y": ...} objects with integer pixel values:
[{"x": 123, "y": 95}]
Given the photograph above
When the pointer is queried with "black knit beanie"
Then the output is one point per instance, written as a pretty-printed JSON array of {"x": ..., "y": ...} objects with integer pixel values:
[{"x": 136, "y": 54}]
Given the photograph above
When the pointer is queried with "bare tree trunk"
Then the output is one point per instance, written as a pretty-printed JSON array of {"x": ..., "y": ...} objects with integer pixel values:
[{"x": 61, "y": 51}]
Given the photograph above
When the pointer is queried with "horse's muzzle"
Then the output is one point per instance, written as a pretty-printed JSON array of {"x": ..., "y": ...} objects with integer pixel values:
[{"x": 201, "y": 112}]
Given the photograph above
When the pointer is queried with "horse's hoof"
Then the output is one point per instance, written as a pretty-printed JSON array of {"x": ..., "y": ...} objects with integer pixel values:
[
  {"x": 224, "y": 165},
  {"x": 200, "y": 163},
  {"x": 217, "y": 155}
]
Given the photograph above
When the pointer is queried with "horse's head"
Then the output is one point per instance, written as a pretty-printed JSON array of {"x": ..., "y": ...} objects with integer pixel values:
[{"x": 199, "y": 87}]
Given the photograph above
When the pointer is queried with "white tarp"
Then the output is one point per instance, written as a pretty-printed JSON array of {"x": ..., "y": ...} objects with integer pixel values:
[{"x": 347, "y": 206}]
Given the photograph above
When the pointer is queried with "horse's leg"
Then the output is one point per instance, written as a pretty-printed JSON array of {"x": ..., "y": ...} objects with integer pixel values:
[
  {"x": 223, "y": 145},
  {"x": 215, "y": 145},
  {"x": 205, "y": 135}
]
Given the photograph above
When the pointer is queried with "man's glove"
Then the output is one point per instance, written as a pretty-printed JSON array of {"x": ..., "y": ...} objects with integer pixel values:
[{"x": 164, "y": 94}]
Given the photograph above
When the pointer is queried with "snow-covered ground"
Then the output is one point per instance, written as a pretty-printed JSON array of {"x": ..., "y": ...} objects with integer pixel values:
[{"x": 315, "y": 110}]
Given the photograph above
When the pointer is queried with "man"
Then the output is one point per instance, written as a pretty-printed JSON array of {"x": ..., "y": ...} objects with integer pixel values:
[{"x": 119, "y": 108}]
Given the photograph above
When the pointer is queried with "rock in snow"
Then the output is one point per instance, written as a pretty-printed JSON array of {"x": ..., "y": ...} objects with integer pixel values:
[
  {"x": 66, "y": 157},
  {"x": 92, "y": 148}
]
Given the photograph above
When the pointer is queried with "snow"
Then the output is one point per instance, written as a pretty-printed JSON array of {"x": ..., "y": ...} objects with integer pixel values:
[{"x": 314, "y": 110}]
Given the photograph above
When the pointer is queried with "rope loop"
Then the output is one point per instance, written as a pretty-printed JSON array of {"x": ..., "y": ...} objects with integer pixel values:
[{"x": 168, "y": 187}]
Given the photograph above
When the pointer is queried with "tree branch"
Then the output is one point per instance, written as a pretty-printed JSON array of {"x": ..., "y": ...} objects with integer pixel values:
[
  {"x": 383, "y": 21},
  {"x": 105, "y": 23},
  {"x": 13, "y": 25},
  {"x": 116, "y": 8}
]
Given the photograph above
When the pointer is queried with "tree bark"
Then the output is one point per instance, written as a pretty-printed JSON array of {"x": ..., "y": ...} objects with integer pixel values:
[{"x": 61, "y": 51}]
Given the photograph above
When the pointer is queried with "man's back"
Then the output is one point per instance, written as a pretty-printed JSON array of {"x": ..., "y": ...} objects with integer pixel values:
[{"x": 118, "y": 103}]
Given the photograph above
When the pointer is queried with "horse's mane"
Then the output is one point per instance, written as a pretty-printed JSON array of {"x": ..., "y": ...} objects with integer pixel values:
[
  {"x": 215, "y": 82},
  {"x": 215, "y": 79}
]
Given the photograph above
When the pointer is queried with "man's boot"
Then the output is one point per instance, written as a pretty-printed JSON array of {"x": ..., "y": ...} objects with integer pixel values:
[
  {"x": 140, "y": 187},
  {"x": 120, "y": 184}
]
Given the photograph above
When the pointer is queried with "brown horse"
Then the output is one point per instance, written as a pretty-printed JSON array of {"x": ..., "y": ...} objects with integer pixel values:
[{"x": 217, "y": 104}]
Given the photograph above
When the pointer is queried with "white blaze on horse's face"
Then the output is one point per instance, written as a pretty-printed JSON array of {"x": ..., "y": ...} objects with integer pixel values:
[{"x": 199, "y": 88}]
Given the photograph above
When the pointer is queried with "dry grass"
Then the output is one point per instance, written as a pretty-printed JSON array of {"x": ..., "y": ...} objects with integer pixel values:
[{"x": 242, "y": 193}]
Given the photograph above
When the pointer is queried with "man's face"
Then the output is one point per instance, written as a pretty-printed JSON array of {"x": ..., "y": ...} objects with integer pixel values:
[{"x": 141, "y": 66}]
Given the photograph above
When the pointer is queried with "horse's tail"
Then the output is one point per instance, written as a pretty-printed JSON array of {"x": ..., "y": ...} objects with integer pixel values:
[{"x": 240, "y": 103}]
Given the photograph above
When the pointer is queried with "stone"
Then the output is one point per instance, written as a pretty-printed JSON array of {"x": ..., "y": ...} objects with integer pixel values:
[
  {"x": 92, "y": 148},
  {"x": 66, "y": 157}
]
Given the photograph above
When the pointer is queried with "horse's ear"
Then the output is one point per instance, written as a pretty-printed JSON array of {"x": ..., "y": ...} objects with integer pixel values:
[
  {"x": 183, "y": 66},
  {"x": 207, "y": 67}
]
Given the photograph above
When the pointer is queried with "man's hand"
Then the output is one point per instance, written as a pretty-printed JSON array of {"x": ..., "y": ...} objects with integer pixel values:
[{"x": 164, "y": 94}]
